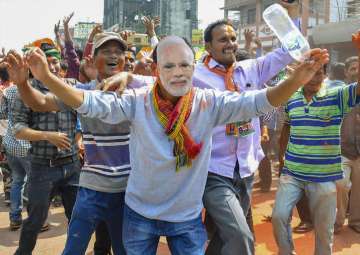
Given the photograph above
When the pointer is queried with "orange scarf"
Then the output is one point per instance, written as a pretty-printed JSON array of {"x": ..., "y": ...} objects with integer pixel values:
[
  {"x": 173, "y": 119},
  {"x": 231, "y": 128}
]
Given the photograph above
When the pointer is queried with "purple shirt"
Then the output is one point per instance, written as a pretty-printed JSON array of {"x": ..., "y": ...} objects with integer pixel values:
[
  {"x": 72, "y": 60},
  {"x": 248, "y": 75}
]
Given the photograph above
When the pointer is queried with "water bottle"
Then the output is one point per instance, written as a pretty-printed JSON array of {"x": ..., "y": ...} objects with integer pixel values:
[{"x": 277, "y": 18}]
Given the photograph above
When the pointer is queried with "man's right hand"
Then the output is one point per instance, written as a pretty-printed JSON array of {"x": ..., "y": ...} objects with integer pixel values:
[
  {"x": 17, "y": 68},
  {"x": 281, "y": 164},
  {"x": 249, "y": 37},
  {"x": 37, "y": 63},
  {"x": 117, "y": 82},
  {"x": 60, "y": 140},
  {"x": 305, "y": 71},
  {"x": 96, "y": 30}
]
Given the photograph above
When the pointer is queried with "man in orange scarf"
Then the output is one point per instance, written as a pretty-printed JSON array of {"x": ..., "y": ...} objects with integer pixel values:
[{"x": 170, "y": 140}]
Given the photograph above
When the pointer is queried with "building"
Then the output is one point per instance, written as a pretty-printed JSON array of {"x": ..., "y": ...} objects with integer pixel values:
[
  {"x": 178, "y": 17},
  {"x": 326, "y": 23},
  {"x": 81, "y": 33}
]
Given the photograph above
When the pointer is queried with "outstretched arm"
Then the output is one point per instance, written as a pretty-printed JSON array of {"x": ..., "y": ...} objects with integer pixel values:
[{"x": 303, "y": 74}]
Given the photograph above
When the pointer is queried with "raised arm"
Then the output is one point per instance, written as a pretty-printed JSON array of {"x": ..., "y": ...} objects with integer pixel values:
[
  {"x": 356, "y": 41},
  {"x": 89, "y": 44},
  {"x": 19, "y": 75},
  {"x": 57, "y": 36},
  {"x": 71, "y": 96},
  {"x": 234, "y": 107},
  {"x": 150, "y": 25},
  {"x": 66, "y": 21},
  {"x": 108, "y": 107}
]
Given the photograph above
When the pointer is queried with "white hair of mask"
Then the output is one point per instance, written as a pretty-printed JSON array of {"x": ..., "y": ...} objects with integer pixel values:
[{"x": 173, "y": 41}]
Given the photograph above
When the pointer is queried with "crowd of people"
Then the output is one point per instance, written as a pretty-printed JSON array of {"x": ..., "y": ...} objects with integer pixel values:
[{"x": 138, "y": 145}]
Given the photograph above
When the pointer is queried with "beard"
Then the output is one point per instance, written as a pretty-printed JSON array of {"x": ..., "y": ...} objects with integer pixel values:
[{"x": 177, "y": 92}]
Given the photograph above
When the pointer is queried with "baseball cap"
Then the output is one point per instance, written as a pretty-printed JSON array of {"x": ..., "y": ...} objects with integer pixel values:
[{"x": 104, "y": 37}]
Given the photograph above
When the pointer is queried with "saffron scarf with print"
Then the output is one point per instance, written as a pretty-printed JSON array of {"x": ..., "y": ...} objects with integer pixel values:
[
  {"x": 231, "y": 128},
  {"x": 173, "y": 119}
]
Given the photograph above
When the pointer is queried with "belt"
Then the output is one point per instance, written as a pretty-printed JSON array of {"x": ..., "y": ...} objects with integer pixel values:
[{"x": 56, "y": 161}]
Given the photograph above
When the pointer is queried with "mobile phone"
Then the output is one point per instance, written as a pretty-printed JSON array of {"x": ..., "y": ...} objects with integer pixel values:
[{"x": 289, "y": 1}]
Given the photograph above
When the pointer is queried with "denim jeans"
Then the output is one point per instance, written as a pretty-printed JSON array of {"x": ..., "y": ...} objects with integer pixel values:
[
  {"x": 43, "y": 182},
  {"x": 102, "y": 244},
  {"x": 322, "y": 204},
  {"x": 20, "y": 167},
  {"x": 227, "y": 201},
  {"x": 141, "y": 235},
  {"x": 91, "y": 208}
]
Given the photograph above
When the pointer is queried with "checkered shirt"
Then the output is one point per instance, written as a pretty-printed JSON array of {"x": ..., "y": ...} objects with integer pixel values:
[
  {"x": 14, "y": 147},
  {"x": 62, "y": 121}
]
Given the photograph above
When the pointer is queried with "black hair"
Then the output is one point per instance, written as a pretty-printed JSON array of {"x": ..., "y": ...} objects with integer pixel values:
[
  {"x": 45, "y": 47},
  {"x": 350, "y": 60},
  {"x": 79, "y": 53},
  {"x": 208, "y": 30},
  {"x": 337, "y": 71},
  {"x": 154, "y": 52},
  {"x": 4, "y": 75},
  {"x": 64, "y": 65},
  {"x": 242, "y": 54}
]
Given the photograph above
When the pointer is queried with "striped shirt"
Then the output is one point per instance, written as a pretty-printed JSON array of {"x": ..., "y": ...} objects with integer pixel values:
[
  {"x": 107, "y": 159},
  {"x": 313, "y": 152}
]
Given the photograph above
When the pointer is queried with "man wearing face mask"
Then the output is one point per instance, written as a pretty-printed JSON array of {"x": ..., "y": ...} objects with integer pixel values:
[
  {"x": 106, "y": 169},
  {"x": 53, "y": 152},
  {"x": 170, "y": 141}
]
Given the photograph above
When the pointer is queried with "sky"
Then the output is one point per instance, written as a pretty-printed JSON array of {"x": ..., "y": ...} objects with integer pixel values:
[{"x": 24, "y": 21}]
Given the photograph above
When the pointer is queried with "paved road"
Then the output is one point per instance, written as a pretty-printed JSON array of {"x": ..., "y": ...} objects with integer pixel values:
[{"x": 52, "y": 241}]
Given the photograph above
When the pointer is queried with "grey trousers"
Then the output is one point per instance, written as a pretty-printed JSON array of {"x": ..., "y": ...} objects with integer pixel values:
[{"x": 227, "y": 201}]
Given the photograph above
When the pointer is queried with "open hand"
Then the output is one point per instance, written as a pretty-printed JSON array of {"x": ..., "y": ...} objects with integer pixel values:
[
  {"x": 36, "y": 60},
  {"x": 96, "y": 30},
  {"x": 67, "y": 19},
  {"x": 150, "y": 24},
  {"x": 305, "y": 71},
  {"x": 17, "y": 68},
  {"x": 117, "y": 82},
  {"x": 249, "y": 36},
  {"x": 89, "y": 68}
]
